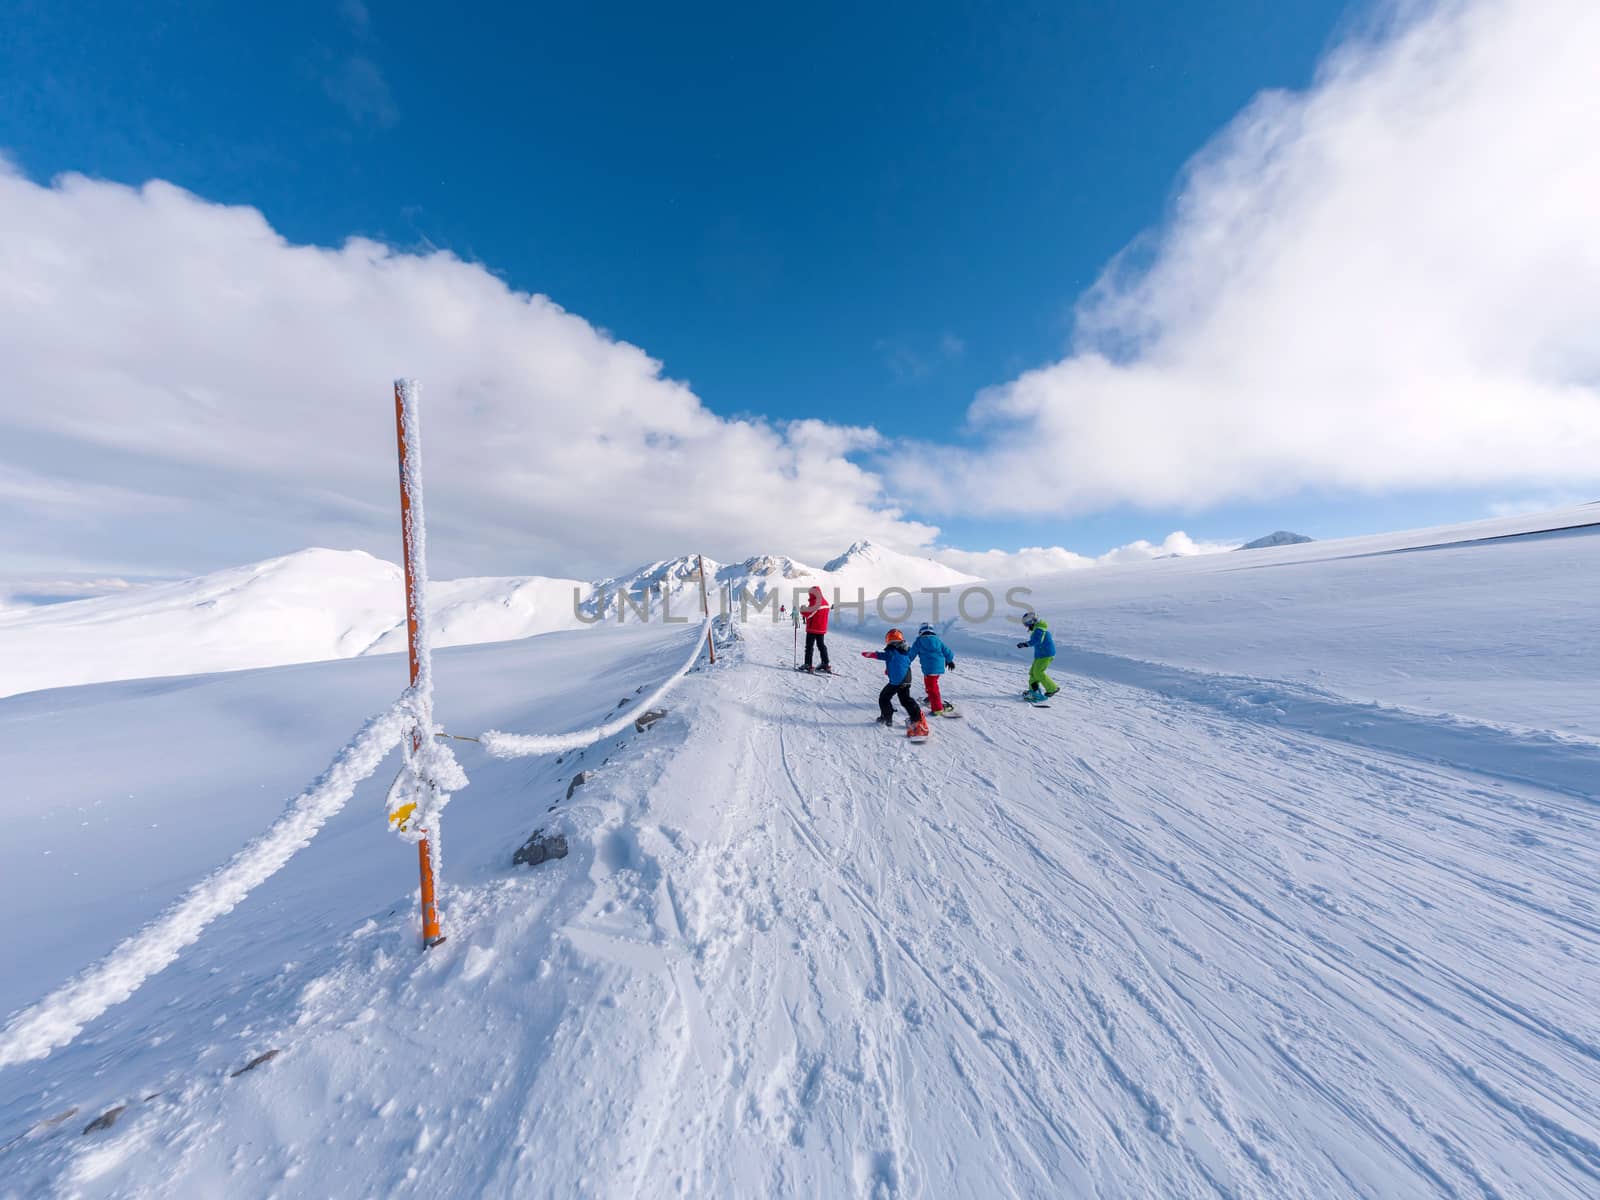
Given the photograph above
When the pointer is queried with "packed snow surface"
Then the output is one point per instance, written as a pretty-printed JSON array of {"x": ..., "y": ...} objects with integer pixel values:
[{"x": 1293, "y": 891}]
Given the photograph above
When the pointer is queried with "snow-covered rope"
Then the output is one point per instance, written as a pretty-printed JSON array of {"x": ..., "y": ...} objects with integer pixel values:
[
  {"x": 522, "y": 745},
  {"x": 61, "y": 1016}
]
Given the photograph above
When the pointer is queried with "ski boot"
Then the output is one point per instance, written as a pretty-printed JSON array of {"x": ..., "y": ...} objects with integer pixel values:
[
  {"x": 886, "y": 722},
  {"x": 918, "y": 728}
]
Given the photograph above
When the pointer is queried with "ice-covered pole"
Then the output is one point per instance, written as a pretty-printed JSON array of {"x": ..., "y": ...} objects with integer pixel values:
[{"x": 413, "y": 532}]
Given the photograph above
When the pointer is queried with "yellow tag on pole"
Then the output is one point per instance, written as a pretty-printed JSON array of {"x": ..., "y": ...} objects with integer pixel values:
[{"x": 401, "y": 815}]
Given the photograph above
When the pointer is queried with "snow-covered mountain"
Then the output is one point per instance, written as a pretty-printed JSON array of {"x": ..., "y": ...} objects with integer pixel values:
[
  {"x": 303, "y": 607},
  {"x": 873, "y": 567},
  {"x": 864, "y": 566},
  {"x": 1281, "y": 537},
  {"x": 326, "y": 604}
]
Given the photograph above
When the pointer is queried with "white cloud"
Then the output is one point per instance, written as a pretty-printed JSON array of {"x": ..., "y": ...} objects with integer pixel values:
[
  {"x": 27, "y": 592},
  {"x": 159, "y": 346},
  {"x": 1051, "y": 560},
  {"x": 1174, "y": 545},
  {"x": 1391, "y": 281},
  {"x": 1013, "y": 564}
]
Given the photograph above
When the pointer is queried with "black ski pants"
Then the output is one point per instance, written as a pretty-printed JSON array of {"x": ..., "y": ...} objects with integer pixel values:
[
  {"x": 907, "y": 701},
  {"x": 814, "y": 642}
]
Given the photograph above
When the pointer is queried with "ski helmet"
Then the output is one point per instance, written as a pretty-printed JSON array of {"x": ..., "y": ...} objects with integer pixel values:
[
  {"x": 925, "y": 628},
  {"x": 894, "y": 635},
  {"x": 1030, "y": 618}
]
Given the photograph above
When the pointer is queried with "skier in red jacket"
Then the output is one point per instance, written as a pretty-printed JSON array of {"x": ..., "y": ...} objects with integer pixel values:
[{"x": 815, "y": 613}]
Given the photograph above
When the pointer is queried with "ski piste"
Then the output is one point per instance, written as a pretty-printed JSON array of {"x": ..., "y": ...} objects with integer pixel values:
[{"x": 883, "y": 901}]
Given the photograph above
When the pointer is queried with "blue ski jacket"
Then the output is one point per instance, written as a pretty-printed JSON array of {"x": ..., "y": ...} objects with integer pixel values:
[
  {"x": 1044, "y": 646},
  {"x": 897, "y": 657},
  {"x": 932, "y": 653}
]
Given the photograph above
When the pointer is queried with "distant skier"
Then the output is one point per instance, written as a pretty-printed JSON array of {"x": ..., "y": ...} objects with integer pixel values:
[
  {"x": 897, "y": 659},
  {"x": 815, "y": 614},
  {"x": 1040, "y": 685},
  {"x": 936, "y": 659}
]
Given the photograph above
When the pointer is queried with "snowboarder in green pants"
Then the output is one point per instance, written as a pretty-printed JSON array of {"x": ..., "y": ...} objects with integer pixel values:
[{"x": 1040, "y": 685}]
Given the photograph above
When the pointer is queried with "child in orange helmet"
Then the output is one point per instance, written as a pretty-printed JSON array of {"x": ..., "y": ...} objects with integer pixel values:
[{"x": 897, "y": 659}]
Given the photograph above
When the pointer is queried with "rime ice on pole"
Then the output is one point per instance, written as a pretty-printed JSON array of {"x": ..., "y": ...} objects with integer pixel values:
[{"x": 431, "y": 773}]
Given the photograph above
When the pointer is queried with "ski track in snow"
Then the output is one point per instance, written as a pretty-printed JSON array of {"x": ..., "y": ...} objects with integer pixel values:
[{"x": 792, "y": 954}]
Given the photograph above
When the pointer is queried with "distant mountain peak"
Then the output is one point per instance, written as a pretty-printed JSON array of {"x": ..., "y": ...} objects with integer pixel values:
[
  {"x": 859, "y": 551},
  {"x": 769, "y": 564},
  {"x": 1281, "y": 537}
]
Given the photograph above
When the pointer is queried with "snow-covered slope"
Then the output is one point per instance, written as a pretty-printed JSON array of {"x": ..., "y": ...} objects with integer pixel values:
[
  {"x": 311, "y": 605},
  {"x": 492, "y": 609},
  {"x": 304, "y": 607},
  {"x": 1493, "y": 621},
  {"x": 1150, "y": 941}
]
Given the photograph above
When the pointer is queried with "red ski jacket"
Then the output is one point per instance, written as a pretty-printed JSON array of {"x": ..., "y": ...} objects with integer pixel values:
[{"x": 816, "y": 612}]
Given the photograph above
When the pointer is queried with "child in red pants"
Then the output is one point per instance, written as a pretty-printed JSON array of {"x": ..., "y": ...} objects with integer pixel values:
[{"x": 935, "y": 658}]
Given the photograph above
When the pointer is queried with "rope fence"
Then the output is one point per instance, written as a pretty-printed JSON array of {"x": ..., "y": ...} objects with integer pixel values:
[
  {"x": 523, "y": 745},
  {"x": 58, "y": 1018}
]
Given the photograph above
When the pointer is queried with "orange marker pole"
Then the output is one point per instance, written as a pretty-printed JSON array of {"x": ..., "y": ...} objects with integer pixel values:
[
  {"x": 705, "y": 609},
  {"x": 431, "y": 936}
]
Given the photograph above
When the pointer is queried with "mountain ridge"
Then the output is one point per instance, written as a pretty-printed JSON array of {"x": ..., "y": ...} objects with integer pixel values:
[{"x": 320, "y": 604}]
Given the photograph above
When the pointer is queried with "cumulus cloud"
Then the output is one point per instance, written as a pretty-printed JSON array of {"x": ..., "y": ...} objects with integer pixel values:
[
  {"x": 195, "y": 391},
  {"x": 1013, "y": 564},
  {"x": 24, "y": 592},
  {"x": 1175, "y": 545},
  {"x": 1389, "y": 281},
  {"x": 1052, "y": 560}
]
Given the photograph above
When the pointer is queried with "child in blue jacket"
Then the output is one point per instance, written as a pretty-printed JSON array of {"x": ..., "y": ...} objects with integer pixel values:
[
  {"x": 935, "y": 658},
  {"x": 897, "y": 658}
]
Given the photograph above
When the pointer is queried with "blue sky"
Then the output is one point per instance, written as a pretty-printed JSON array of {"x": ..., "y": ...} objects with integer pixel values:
[{"x": 865, "y": 214}]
